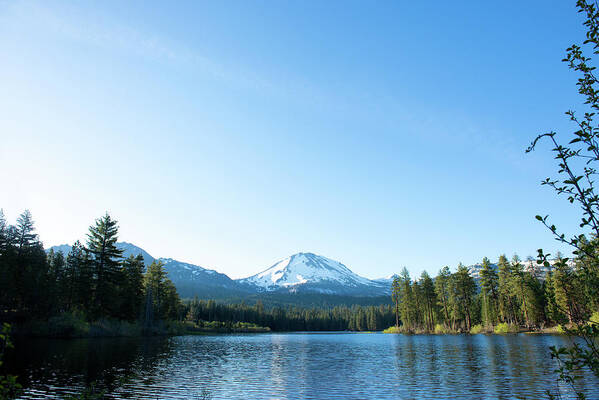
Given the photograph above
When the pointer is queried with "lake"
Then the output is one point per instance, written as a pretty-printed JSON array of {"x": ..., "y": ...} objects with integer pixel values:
[{"x": 295, "y": 366}]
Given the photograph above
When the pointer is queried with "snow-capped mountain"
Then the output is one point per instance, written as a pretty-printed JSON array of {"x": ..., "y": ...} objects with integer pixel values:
[
  {"x": 307, "y": 272},
  {"x": 388, "y": 280},
  {"x": 299, "y": 273}
]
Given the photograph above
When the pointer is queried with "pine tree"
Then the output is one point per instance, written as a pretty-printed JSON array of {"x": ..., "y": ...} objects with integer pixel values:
[
  {"x": 507, "y": 309},
  {"x": 407, "y": 304},
  {"x": 162, "y": 300},
  {"x": 105, "y": 258},
  {"x": 26, "y": 232},
  {"x": 29, "y": 267},
  {"x": 73, "y": 276},
  {"x": 463, "y": 290},
  {"x": 132, "y": 288},
  {"x": 396, "y": 297},
  {"x": 56, "y": 280},
  {"x": 442, "y": 292},
  {"x": 429, "y": 299},
  {"x": 489, "y": 292}
]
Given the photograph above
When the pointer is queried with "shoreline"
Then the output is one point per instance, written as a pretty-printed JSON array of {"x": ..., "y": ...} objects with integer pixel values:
[{"x": 501, "y": 329}]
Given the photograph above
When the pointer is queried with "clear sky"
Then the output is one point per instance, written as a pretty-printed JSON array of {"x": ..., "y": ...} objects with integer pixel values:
[{"x": 233, "y": 134}]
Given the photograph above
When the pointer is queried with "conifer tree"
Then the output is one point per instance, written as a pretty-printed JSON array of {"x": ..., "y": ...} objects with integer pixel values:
[
  {"x": 56, "y": 280},
  {"x": 489, "y": 292},
  {"x": 396, "y": 297},
  {"x": 442, "y": 292},
  {"x": 26, "y": 232},
  {"x": 29, "y": 267},
  {"x": 161, "y": 295},
  {"x": 105, "y": 259},
  {"x": 132, "y": 288},
  {"x": 463, "y": 290},
  {"x": 407, "y": 304}
]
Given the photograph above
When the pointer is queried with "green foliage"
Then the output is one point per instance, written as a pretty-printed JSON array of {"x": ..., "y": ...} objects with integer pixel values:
[
  {"x": 225, "y": 327},
  {"x": 9, "y": 387},
  {"x": 91, "y": 292},
  {"x": 392, "y": 329},
  {"x": 441, "y": 329},
  {"x": 162, "y": 300},
  {"x": 292, "y": 318},
  {"x": 489, "y": 293},
  {"x": 575, "y": 291},
  {"x": 476, "y": 329},
  {"x": 131, "y": 288},
  {"x": 105, "y": 261},
  {"x": 396, "y": 297},
  {"x": 504, "y": 328}
]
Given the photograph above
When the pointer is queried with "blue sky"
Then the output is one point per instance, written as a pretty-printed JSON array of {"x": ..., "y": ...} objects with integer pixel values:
[{"x": 233, "y": 134}]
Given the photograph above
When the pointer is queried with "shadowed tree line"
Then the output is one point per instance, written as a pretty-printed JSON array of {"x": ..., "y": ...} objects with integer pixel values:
[
  {"x": 339, "y": 318},
  {"x": 93, "y": 281}
]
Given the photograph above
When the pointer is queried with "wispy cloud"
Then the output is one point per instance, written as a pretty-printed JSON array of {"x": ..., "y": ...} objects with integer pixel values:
[{"x": 93, "y": 31}]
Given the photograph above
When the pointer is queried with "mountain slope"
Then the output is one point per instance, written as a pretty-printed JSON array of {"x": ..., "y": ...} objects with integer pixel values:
[
  {"x": 189, "y": 279},
  {"x": 127, "y": 248},
  {"x": 302, "y": 273},
  {"x": 192, "y": 280},
  {"x": 308, "y": 272}
]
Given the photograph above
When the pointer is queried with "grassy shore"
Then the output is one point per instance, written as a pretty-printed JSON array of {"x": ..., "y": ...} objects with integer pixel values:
[
  {"x": 71, "y": 325},
  {"x": 223, "y": 327},
  {"x": 500, "y": 329}
]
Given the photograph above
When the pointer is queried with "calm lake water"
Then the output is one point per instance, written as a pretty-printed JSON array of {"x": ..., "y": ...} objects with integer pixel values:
[{"x": 295, "y": 366}]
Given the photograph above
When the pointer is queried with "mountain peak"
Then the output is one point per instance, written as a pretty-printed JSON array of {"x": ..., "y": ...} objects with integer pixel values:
[{"x": 309, "y": 271}]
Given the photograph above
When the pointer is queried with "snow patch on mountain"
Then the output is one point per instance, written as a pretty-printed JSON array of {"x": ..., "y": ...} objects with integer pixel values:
[{"x": 308, "y": 269}]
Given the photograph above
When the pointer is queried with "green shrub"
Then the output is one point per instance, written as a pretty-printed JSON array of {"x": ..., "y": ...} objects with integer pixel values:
[
  {"x": 392, "y": 329},
  {"x": 505, "y": 328},
  {"x": 476, "y": 329}
]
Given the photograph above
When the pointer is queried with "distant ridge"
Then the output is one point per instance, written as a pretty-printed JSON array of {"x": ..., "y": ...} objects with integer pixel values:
[{"x": 301, "y": 273}]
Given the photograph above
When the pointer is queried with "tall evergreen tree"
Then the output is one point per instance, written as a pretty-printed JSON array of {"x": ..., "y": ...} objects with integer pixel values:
[
  {"x": 442, "y": 292},
  {"x": 489, "y": 292},
  {"x": 29, "y": 267},
  {"x": 162, "y": 300},
  {"x": 407, "y": 304},
  {"x": 463, "y": 291},
  {"x": 26, "y": 235},
  {"x": 105, "y": 258},
  {"x": 132, "y": 288},
  {"x": 72, "y": 276},
  {"x": 429, "y": 300},
  {"x": 396, "y": 297}
]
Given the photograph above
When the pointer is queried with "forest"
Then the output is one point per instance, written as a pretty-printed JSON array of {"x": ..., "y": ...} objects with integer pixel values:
[
  {"x": 53, "y": 294},
  {"x": 509, "y": 298},
  {"x": 95, "y": 283},
  {"x": 92, "y": 283}
]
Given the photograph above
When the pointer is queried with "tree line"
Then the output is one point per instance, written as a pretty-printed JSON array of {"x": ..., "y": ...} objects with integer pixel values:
[
  {"x": 506, "y": 294},
  {"x": 339, "y": 318},
  {"x": 92, "y": 280}
]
